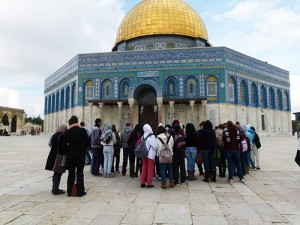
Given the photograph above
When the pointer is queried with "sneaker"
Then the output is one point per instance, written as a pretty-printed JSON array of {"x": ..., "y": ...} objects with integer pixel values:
[
  {"x": 242, "y": 180},
  {"x": 230, "y": 181}
]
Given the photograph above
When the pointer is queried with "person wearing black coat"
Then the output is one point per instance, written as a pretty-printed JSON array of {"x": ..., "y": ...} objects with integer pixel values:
[
  {"x": 76, "y": 141},
  {"x": 56, "y": 144}
]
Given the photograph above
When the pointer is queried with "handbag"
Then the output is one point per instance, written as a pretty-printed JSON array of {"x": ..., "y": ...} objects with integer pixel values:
[
  {"x": 60, "y": 161},
  {"x": 199, "y": 159},
  {"x": 297, "y": 158}
]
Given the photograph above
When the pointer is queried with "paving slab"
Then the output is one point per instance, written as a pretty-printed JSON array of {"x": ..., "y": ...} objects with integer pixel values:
[{"x": 269, "y": 196}]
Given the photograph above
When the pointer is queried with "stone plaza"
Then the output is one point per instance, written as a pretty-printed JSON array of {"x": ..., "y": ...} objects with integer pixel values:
[{"x": 269, "y": 196}]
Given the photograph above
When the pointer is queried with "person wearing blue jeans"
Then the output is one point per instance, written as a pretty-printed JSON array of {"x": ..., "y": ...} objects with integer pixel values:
[
  {"x": 234, "y": 160},
  {"x": 192, "y": 145},
  {"x": 232, "y": 139},
  {"x": 109, "y": 139}
]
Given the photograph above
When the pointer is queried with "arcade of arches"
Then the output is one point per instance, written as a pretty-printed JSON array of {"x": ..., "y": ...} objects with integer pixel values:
[{"x": 12, "y": 119}]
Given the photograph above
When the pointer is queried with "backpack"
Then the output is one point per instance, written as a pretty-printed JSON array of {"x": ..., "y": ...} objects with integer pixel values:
[
  {"x": 165, "y": 155},
  {"x": 244, "y": 145},
  {"x": 179, "y": 144},
  {"x": 107, "y": 136},
  {"x": 220, "y": 143},
  {"x": 141, "y": 150}
]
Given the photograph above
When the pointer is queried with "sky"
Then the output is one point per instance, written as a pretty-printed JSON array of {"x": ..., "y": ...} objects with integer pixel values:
[{"x": 37, "y": 37}]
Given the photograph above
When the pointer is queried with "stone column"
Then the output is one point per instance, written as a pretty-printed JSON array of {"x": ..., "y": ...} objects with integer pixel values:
[
  {"x": 91, "y": 113},
  {"x": 101, "y": 106},
  {"x": 192, "y": 104},
  {"x": 120, "y": 105},
  {"x": 171, "y": 104},
  {"x": 131, "y": 103},
  {"x": 159, "y": 110},
  {"x": 202, "y": 112}
]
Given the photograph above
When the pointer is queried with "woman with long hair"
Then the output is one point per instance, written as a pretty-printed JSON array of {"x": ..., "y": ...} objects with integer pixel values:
[
  {"x": 57, "y": 147},
  {"x": 192, "y": 145}
]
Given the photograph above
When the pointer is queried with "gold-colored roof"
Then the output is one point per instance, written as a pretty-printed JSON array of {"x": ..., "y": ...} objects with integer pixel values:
[{"x": 153, "y": 17}]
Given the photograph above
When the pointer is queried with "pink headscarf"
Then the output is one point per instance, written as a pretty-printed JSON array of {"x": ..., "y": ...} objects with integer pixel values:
[{"x": 61, "y": 129}]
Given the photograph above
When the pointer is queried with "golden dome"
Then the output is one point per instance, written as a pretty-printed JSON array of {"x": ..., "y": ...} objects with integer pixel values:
[{"x": 153, "y": 17}]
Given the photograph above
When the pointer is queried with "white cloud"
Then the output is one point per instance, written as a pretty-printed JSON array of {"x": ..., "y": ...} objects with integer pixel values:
[{"x": 10, "y": 98}]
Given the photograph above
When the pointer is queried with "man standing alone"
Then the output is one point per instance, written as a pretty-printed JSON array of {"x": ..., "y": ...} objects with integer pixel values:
[{"x": 77, "y": 141}]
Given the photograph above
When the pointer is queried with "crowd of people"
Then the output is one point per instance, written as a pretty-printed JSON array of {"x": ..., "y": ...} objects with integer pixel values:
[{"x": 173, "y": 152}]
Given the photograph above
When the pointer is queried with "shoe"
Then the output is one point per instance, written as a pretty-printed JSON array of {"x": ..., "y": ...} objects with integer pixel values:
[
  {"x": 83, "y": 194},
  {"x": 242, "y": 180},
  {"x": 58, "y": 192},
  {"x": 258, "y": 168},
  {"x": 150, "y": 186},
  {"x": 230, "y": 181},
  {"x": 97, "y": 174},
  {"x": 163, "y": 185},
  {"x": 172, "y": 183},
  {"x": 105, "y": 175},
  {"x": 118, "y": 172},
  {"x": 136, "y": 175},
  {"x": 222, "y": 175},
  {"x": 143, "y": 185},
  {"x": 110, "y": 175}
]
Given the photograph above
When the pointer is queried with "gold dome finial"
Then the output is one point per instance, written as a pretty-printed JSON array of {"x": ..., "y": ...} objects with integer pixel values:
[{"x": 154, "y": 17}]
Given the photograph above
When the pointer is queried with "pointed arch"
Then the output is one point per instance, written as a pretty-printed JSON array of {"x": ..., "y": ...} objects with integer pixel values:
[
  {"x": 278, "y": 99},
  {"x": 231, "y": 89},
  {"x": 73, "y": 95},
  {"x": 125, "y": 86},
  {"x": 171, "y": 86},
  {"x": 271, "y": 98},
  {"x": 57, "y": 102},
  {"x": 106, "y": 89},
  {"x": 263, "y": 97},
  {"x": 285, "y": 101},
  {"x": 62, "y": 99},
  {"x": 68, "y": 97},
  {"x": 243, "y": 92},
  {"x": 191, "y": 87},
  {"x": 254, "y": 94},
  {"x": 211, "y": 86}
]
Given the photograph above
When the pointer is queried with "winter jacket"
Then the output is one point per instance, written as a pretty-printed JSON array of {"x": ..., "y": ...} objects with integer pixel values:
[
  {"x": 231, "y": 142},
  {"x": 77, "y": 141},
  {"x": 208, "y": 137},
  {"x": 151, "y": 142},
  {"x": 164, "y": 137},
  {"x": 57, "y": 147},
  {"x": 125, "y": 135}
]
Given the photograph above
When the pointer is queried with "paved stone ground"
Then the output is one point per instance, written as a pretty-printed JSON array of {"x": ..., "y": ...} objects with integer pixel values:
[{"x": 269, "y": 196}]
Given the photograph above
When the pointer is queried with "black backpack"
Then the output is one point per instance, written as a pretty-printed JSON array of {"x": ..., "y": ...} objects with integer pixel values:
[{"x": 179, "y": 144}]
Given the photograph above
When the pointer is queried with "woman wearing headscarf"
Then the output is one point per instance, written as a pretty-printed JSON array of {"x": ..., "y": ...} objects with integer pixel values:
[
  {"x": 56, "y": 145},
  {"x": 208, "y": 139},
  {"x": 108, "y": 140},
  {"x": 148, "y": 163}
]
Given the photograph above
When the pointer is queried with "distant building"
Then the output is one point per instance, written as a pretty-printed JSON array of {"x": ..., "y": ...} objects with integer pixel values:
[
  {"x": 15, "y": 117},
  {"x": 163, "y": 66}
]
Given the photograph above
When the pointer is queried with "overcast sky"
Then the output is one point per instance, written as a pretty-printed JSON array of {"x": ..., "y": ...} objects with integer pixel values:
[{"x": 37, "y": 37}]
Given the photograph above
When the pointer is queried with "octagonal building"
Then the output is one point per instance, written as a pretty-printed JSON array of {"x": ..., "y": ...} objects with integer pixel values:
[{"x": 162, "y": 66}]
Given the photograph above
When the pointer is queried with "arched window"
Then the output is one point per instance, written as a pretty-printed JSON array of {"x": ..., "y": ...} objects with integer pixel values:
[
  {"x": 106, "y": 89},
  {"x": 263, "y": 97},
  {"x": 231, "y": 89},
  {"x": 49, "y": 104},
  {"x": 125, "y": 89},
  {"x": 73, "y": 97},
  {"x": 211, "y": 86},
  {"x": 57, "y": 102},
  {"x": 171, "y": 87},
  {"x": 68, "y": 97},
  {"x": 271, "y": 98},
  {"x": 285, "y": 102},
  {"x": 191, "y": 87},
  {"x": 278, "y": 99},
  {"x": 62, "y": 99},
  {"x": 46, "y": 106},
  {"x": 243, "y": 93},
  {"x": 53, "y": 103},
  {"x": 254, "y": 94},
  {"x": 89, "y": 90}
]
